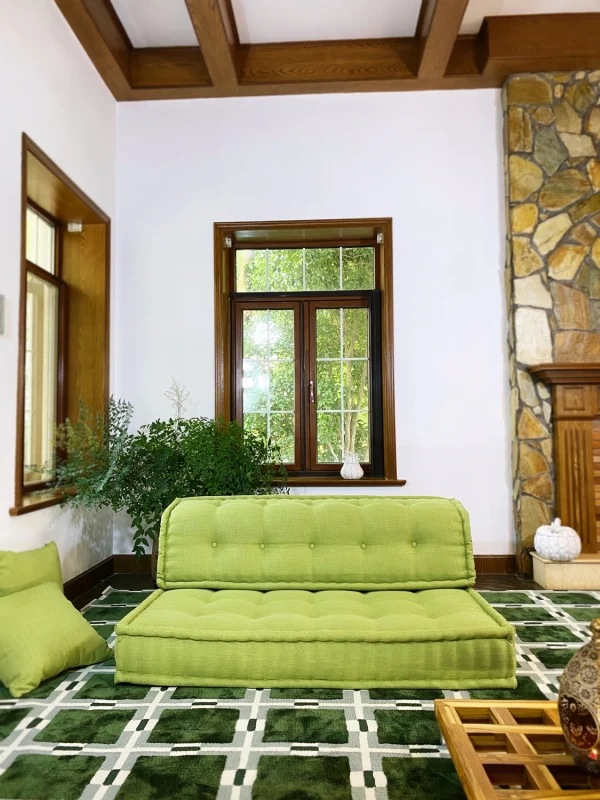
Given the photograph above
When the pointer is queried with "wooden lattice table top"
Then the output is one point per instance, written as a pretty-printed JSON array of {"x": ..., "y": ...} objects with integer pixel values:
[{"x": 511, "y": 750}]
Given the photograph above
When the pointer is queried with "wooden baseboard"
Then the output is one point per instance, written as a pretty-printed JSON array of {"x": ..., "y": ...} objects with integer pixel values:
[
  {"x": 82, "y": 583},
  {"x": 131, "y": 564},
  {"x": 485, "y": 565},
  {"x": 495, "y": 565}
]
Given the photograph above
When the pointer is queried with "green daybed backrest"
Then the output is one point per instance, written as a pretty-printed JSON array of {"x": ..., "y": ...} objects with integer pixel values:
[{"x": 300, "y": 542}]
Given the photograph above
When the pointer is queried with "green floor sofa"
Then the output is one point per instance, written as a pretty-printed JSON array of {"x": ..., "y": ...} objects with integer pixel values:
[{"x": 297, "y": 591}]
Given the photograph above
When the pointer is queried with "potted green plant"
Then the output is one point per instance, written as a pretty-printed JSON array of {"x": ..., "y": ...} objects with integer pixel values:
[{"x": 102, "y": 463}]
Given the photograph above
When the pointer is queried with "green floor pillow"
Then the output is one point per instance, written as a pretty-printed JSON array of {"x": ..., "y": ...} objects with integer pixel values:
[
  {"x": 41, "y": 635},
  {"x": 29, "y": 568}
]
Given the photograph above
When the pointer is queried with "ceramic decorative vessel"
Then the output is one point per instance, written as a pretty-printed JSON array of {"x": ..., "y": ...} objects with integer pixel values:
[
  {"x": 351, "y": 469},
  {"x": 556, "y": 542},
  {"x": 579, "y": 703}
]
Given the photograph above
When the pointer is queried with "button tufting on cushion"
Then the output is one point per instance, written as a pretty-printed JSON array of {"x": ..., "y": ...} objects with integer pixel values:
[
  {"x": 243, "y": 614},
  {"x": 314, "y": 543},
  {"x": 262, "y": 547}
]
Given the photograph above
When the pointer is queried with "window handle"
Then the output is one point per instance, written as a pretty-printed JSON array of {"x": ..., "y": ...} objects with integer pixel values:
[{"x": 311, "y": 386}]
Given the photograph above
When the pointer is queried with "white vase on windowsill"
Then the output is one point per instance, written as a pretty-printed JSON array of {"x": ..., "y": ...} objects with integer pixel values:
[{"x": 351, "y": 469}]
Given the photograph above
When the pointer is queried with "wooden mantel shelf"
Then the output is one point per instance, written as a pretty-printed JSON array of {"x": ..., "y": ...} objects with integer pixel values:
[{"x": 564, "y": 372}]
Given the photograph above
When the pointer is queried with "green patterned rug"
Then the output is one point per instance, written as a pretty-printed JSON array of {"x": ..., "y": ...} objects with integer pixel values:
[{"x": 80, "y": 736}]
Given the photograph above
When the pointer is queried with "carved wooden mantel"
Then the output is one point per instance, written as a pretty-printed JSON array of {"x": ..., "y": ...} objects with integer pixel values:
[{"x": 576, "y": 434}]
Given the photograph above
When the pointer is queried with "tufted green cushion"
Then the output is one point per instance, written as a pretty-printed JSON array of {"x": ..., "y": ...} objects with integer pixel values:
[
  {"x": 315, "y": 543},
  {"x": 29, "y": 568},
  {"x": 444, "y": 638}
]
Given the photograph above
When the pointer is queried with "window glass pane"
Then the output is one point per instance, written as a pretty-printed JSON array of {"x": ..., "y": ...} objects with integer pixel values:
[
  {"x": 41, "y": 374},
  {"x": 311, "y": 269},
  {"x": 356, "y": 434},
  {"x": 251, "y": 270},
  {"x": 329, "y": 344},
  {"x": 329, "y": 385},
  {"x": 285, "y": 270},
  {"x": 282, "y": 434},
  {"x": 268, "y": 381},
  {"x": 342, "y": 383},
  {"x": 355, "y": 322},
  {"x": 358, "y": 268},
  {"x": 329, "y": 437},
  {"x": 322, "y": 269},
  {"x": 40, "y": 241}
]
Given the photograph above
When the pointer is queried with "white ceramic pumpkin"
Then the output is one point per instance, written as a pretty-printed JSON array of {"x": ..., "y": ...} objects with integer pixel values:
[{"x": 557, "y": 542}]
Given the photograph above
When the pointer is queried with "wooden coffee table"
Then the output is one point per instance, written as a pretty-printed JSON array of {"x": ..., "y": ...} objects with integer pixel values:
[{"x": 511, "y": 750}]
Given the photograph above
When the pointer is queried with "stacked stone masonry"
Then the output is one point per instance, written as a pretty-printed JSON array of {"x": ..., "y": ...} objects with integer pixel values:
[{"x": 552, "y": 278}]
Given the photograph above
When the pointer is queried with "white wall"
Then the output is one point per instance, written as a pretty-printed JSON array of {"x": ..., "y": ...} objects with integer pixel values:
[
  {"x": 432, "y": 161},
  {"x": 49, "y": 90}
]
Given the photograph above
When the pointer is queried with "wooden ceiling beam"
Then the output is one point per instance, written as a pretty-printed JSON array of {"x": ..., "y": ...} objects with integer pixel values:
[
  {"x": 504, "y": 46},
  {"x": 541, "y": 42},
  {"x": 104, "y": 39},
  {"x": 217, "y": 36},
  {"x": 438, "y": 27}
]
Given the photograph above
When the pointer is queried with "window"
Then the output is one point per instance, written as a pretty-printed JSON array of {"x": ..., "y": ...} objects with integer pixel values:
[
  {"x": 43, "y": 349},
  {"x": 305, "y": 345},
  {"x": 63, "y": 324}
]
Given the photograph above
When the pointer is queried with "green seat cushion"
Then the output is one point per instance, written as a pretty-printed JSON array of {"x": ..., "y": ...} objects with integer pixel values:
[
  {"x": 293, "y": 542},
  {"x": 443, "y": 638},
  {"x": 29, "y": 568},
  {"x": 41, "y": 635}
]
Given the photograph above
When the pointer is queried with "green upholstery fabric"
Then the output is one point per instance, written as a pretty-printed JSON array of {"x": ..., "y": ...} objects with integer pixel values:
[
  {"x": 441, "y": 638},
  {"x": 41, "y": 635},
  {"x": 29, "y": 568},
  {"x": 282, "y": 541}
]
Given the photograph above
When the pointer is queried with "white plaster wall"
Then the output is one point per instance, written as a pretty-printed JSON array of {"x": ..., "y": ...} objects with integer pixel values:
[
  {"x": 49, "y": 90},
  {"x": 432, "y": 161}
]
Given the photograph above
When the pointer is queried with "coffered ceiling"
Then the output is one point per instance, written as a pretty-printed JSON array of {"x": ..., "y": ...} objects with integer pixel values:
[{"x": 165, "y": 49}]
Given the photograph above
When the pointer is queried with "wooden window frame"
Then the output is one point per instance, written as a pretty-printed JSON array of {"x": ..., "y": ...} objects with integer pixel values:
[
  {"x": 53, "y": 195},
  {"x": 224, "y": 274}
]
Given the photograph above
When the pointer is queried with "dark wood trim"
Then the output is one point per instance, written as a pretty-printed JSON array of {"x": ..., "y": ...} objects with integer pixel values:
[
  {"x": 433, "y": 59},
  {"x": 444, "y": 24},
  {"x": 104, "y": 39},
  {"x": 20, "y": 422},
  {"x": 29, "y": 146},
  {"x": 311, "y": 408},
  {"x": 239, "y": 306},
  {"x": 163, "y": 68},
  {"x": 223, "y": 277},
  {"x": 28, "y": 502},
  {"x": 43, "y": 274},
  {"x": 339, "y": 481},
  {"x": 495, "y": 565},
  {"x": 34, "y": 502},
  {"x": 299, "y": 244},
  {"x": 85, "y": 581},
  {"x": 132, "y": 564},
  {"x": 218, "y": 40},
  {"x": 385, "y": 283},
  {"x": 567, "y": 373}
]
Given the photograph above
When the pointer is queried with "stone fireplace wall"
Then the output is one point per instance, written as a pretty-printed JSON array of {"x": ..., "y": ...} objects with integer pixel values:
[{"x": 552, "y": 149}]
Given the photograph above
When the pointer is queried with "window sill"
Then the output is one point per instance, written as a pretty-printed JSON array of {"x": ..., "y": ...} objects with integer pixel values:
[
  {"x": 35, "y": 502},
  {"x": 291, "y": 481}
]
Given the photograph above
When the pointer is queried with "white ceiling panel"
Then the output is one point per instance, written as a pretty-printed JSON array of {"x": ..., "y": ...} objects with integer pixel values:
[
  {"x": 478, "y": 9},
  {"x": 312, "y": 20},
  {"x": 156, "y": 23}
]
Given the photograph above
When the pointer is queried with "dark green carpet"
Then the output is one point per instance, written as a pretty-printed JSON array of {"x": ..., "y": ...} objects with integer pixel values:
[{"x": 80, "y": 736}]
